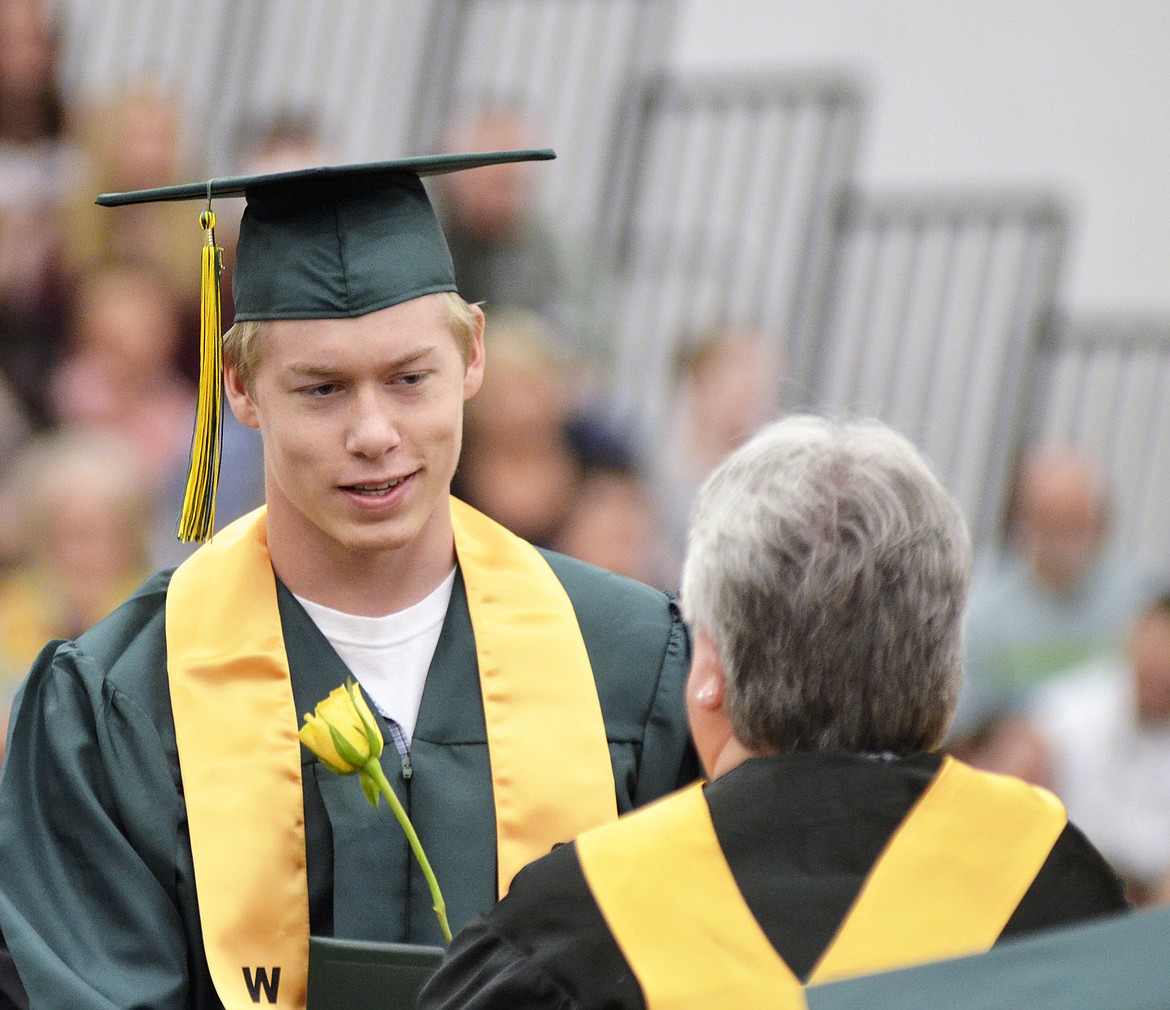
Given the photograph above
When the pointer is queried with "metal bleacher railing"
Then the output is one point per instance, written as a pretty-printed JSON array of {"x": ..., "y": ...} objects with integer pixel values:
[
  {"x": 385, "y": 77},
  {"x": 575, "y": 70},
  {"x": 935, "y": 305},
  {"x": 728, "y": 219},
  {"x": 1103, "y": 387},
  {"x": 354, "y": 63}
]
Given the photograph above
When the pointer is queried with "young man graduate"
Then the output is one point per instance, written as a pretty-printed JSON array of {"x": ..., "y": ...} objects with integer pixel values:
[{"x": 165, "y": 839}]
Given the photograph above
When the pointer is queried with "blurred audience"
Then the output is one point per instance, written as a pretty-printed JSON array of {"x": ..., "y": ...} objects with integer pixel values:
[
  {"x": 119, "y": 376},
  {"x": 119, "y": 372},
  {"x": 1100, "y": 739},
  {"x": 507, "y": 252},
  {"x": 77, "y": 502},
  {"x": 134, "y": 140},
  {"x": 282, "y": 141},
  {"x": 612, "y": 522},
  {"x": 1059, "y": 596},
  {"x": 518, "y": 463},
  {"x": 38, "y": 173},
  {"x": 541, "y": 459},
  {"x": 32, "y": 110},
  {"x": 727, "y": 382},
  {"x": 14, "y": 430}
]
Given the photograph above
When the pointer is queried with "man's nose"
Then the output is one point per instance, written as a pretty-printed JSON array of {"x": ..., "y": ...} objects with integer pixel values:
[{"x": 373, "y": 428}]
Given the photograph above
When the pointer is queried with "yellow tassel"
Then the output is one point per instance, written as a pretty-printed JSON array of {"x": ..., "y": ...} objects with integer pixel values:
[{"x": 197, "y": 522}]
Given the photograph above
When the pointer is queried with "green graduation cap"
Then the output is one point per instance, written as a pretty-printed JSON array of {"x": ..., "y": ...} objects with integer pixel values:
[{"x": 315, "y": 243}]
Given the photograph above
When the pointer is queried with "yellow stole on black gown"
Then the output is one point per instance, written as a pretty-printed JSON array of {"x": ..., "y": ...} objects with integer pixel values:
[{"x": 671, "y": 902}]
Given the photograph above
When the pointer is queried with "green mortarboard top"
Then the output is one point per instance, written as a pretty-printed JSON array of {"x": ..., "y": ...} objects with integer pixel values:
[
  {"x": 315, "y": 243},
  {"x": 343, "y": 240}
]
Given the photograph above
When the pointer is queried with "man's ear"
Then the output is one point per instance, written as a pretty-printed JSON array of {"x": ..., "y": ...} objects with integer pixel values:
[
  {"x": 707, "y": 679},
  {"x": 473, "y": 373},
  {"x": 242, "y": 404},
  {"x": 709, "y": 689}
]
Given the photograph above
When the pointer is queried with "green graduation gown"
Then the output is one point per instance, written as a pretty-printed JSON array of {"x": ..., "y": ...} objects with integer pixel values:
[{"x": 97, "y": 895}]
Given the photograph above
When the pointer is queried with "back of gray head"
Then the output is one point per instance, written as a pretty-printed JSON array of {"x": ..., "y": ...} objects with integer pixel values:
[{"x": 830, "y": 567}]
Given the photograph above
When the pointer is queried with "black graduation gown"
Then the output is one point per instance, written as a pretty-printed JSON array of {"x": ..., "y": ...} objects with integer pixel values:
[{"x": 800, "y": 833}]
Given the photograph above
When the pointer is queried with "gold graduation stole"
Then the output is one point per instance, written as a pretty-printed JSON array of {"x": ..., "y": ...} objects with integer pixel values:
[
  {"x": 236, "y": 726},
  {"x": 539, "y": 696},
  {"x": 996, "y": 833}
]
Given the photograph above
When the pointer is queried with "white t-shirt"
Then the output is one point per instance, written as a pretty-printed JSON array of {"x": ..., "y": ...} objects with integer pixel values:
[{"x": 389, "y": 656}]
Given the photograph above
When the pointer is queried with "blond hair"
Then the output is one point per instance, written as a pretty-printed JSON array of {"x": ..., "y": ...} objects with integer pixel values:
[{"x": 241, "y": 343}]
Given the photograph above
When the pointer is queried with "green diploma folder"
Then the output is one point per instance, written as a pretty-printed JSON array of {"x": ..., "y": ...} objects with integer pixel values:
[{"x": 362, "y": 975}]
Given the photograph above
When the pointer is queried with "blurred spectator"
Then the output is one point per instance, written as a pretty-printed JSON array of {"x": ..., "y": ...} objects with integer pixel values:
[
  {"x": 612, "y": 523},
  {"x": 134, "y": 141},
  {"x": 38, "y": 170},
  {"x": 518, "y": 464},
  {"x": 505, "y": 250},
  {"x": 1160, "y": 895},
  {"x": 31, "y": 332},
  {"x": 14, "y": 431},
  {"x": 728, "y": 381},
  {"x": 119, "y": 376},
  {"x": 281, "y": 142},
  {"x": 32, "y": 110},
  {"x": 1058, "y": 597},
  {"x": 1100, "y": 739},
  {"x": 77, "y": 500},
  {"x": 119, "y": 373}
]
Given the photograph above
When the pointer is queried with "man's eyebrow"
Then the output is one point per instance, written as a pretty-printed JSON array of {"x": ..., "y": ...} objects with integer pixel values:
[
  {"x": 412, "y": 358},
  {"x": 311, "y": 370}
]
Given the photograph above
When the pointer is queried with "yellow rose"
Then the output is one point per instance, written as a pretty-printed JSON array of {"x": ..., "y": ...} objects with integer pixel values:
[
  {"x": 343, "y": 732},
  {"x": 344, "y": 735}
]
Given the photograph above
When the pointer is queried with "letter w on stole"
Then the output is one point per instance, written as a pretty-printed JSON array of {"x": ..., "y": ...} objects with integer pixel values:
[{"x": 262, "y": 980}]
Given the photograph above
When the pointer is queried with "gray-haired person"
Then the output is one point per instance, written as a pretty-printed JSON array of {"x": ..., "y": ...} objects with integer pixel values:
[{"x": 825, "y": 581}]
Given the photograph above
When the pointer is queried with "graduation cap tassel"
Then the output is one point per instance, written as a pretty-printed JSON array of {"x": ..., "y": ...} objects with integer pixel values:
[{"x": 197, "y": 521}]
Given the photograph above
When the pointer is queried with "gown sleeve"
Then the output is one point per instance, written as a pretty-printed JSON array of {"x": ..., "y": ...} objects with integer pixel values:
[
  {"x": 483, "y": 971},
  {"x": 545, "y": 947},
  {"x": 669, "y": 761},
  {"x": 91, "y": 827}
]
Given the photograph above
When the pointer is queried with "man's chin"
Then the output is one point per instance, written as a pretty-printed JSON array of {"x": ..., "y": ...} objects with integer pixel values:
[{"x": 384, "y": 539}]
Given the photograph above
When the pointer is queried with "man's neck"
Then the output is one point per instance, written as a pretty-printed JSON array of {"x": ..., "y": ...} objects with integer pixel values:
[
  {"x": 732, "y": 755},
  {"x": 365, "y": 583}
]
